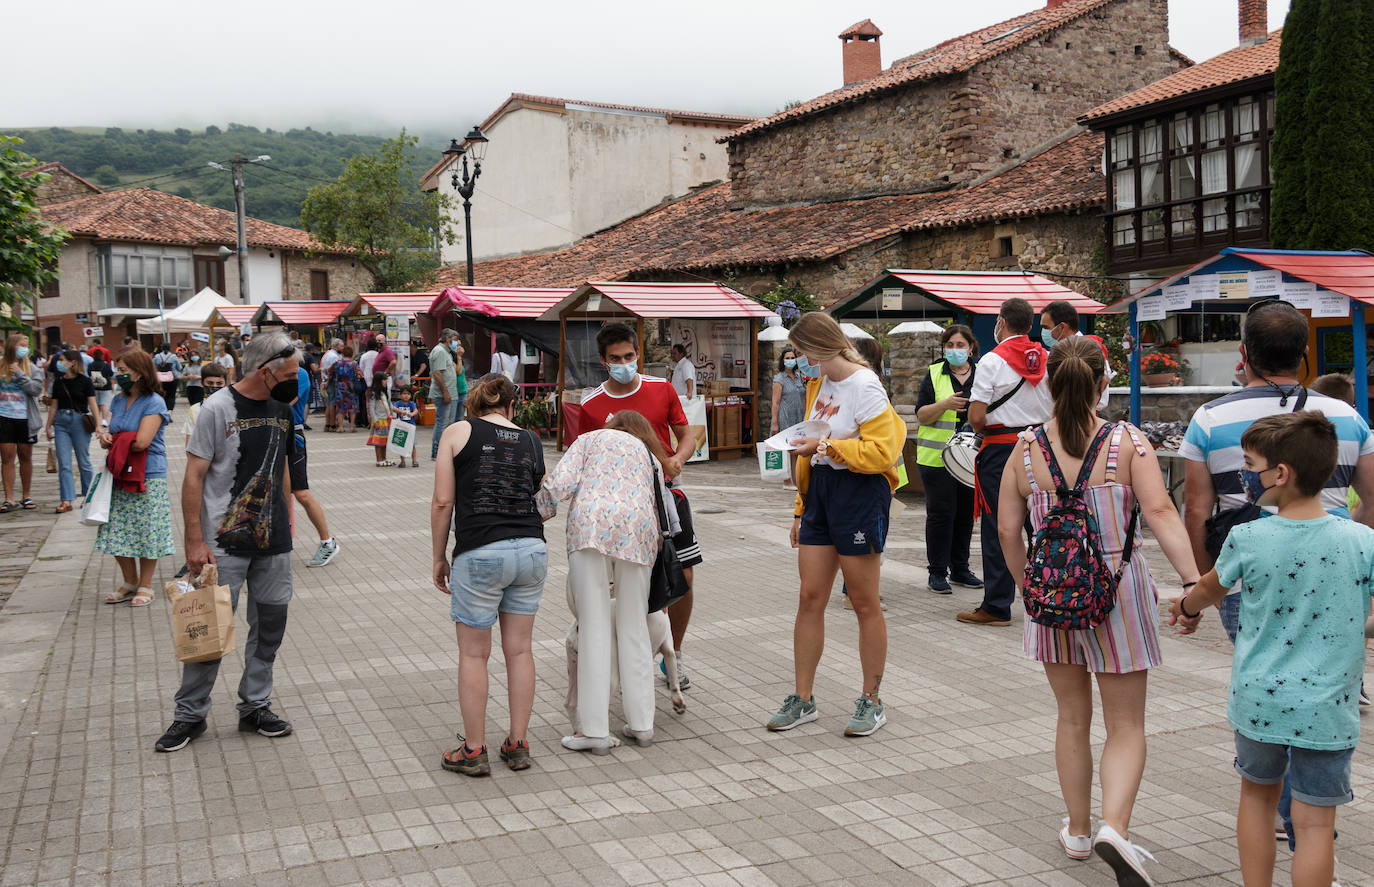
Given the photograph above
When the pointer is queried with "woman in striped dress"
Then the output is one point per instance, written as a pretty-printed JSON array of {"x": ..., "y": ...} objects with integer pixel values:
[{"x": 1121, "y": 650}]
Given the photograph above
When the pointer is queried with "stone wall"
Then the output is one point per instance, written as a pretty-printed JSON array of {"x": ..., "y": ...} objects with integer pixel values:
[
  {"x": 932, "y": 134},
  {"x": 1164, "y": 404},
  {"x": 346, "y": 277},
  {"x": 62, "y": 185}
]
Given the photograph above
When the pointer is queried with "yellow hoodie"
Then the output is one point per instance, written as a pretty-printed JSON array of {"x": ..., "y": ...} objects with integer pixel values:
[{"x": 876, "y": 450}]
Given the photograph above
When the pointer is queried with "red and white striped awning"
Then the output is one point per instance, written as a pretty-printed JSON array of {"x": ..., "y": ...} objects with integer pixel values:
[
  {"x": 300, "y": 313},
  {"x": 408, "y": 304},
  {"x": 236, "y": 315},
  {"x": 509, "y": 301},
  {"x": 704, "y": 300}
]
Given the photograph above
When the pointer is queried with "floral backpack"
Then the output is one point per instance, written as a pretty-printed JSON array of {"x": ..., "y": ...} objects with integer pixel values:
[{"x": 1068, "y": 582}]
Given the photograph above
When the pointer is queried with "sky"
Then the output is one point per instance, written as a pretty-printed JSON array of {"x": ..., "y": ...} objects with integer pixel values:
[{"x": 437, "y": 68}]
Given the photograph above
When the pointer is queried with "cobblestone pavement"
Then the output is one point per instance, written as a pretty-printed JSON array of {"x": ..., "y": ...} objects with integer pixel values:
[
  {"x": 958, "y": 788},
  {"x": 22, "y": 533}
]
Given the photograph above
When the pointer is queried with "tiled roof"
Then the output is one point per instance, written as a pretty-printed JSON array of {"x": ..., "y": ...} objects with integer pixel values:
[
  {"x": 52, "y": 167},
  {"x": 702, "y": 232},
  {"x": 146, "y": 215},
  {"x": 865, "y": 28},
  {"x": 1236, "y": 66},
  {"x": 951, "y": 57}
]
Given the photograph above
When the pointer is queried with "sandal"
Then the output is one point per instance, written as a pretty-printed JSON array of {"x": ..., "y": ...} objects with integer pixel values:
[
  {"x": 28, "y": 504},
  {"x": 63, "y": 508},
  {"x": 142, "y": 598},
  {"x": 125, "y": 592},
  {"x": 8, "y": 506}
]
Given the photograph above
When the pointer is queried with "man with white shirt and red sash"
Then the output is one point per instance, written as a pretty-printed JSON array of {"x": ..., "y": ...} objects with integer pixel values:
[
  {"x": 1059, "y": 321},
  {"x": 1009, "y": 395}
]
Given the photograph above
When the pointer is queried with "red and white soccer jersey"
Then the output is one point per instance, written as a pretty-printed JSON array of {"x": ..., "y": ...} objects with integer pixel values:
[{"x": 653, "y": 398}]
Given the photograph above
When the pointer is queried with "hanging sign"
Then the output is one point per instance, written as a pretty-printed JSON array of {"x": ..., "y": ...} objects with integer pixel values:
[
  {"x": 892, "y": 299},
  {"x": 1178, "y": 298},
  {"x": 1150, "y": 308},
  {"x": 1299, "y": 293},
  {"x": 1265, "y": 283},
  {"x": 1205, "y": 286},
  {"x": 1329, "y": 304},
  {"x": 200, "y": 337}
]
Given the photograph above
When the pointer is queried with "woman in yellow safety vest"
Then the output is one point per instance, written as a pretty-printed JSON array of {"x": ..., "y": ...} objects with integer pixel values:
[{"x": 941, "y": 407}]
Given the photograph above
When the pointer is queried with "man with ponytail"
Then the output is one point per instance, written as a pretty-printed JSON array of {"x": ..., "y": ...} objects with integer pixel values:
[{"x": 1008, "y": 397}]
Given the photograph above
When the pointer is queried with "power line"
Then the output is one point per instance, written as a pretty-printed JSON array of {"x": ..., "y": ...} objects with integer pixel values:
[
  {"x": 526, "y": 212},
  {"x": 300, "y": 175}
]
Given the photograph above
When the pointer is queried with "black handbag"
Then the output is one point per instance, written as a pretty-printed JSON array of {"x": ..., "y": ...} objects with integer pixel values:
[{"x": 667, "y": 581}]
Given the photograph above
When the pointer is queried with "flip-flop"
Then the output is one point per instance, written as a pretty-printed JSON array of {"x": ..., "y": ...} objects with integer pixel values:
[
  {"x": 28, "y": 504},
  {"x": 8, "y": 506}
]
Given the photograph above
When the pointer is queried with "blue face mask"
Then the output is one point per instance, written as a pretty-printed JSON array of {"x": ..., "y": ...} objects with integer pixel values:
[
  {"x": 22, "y": 352},
  {"x": 808, "y": 369},
  {"x": 61, "y": 366},
  {"x": 453, "y": 346},
  {"x": 624, "y": 373},
  {"x": 1254, "y": 486},
  {"x": 789, "y": 362},
  {"x": 956, "y": 357},
  {"x": 1047, "y": 337}
]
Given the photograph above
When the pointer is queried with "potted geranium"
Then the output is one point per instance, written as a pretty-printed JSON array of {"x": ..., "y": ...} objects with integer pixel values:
[{"x": 1159, "y": 370}]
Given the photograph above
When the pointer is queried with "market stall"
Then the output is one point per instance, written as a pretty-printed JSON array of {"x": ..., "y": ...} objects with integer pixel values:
[
  {"x": 1331, "y": 287},
  {"x": 392, "y": 314},
  {"x": 236, "y": 317},
  {"x": 308, "y": 317},
  {"x": 481, "y": 313},
  {"x": 191, "y": 316},
  {"x": 713, "y": 322}
]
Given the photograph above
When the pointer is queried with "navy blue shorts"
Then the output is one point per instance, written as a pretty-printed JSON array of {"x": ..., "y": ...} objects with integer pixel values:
[{"x": 846, "y": 510}]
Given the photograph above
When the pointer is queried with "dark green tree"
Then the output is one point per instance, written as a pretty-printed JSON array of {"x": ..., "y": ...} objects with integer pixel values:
[
  {"x": 1323, "y": 151},
  {"x": 377, "y": 212},
  {"x": 29, "y": 250}
]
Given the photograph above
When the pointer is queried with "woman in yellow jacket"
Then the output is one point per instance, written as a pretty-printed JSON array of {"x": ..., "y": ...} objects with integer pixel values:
[{"x": 844, "y": 490}]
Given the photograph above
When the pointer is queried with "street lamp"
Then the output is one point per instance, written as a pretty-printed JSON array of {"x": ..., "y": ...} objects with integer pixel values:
[{"x": 474, "y": 144}]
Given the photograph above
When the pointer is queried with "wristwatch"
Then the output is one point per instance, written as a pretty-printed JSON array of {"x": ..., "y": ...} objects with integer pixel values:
[{"x": 823, "y": 448}]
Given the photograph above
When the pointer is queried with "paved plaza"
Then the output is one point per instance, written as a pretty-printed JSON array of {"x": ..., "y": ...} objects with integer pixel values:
[{"x": 958, "y": 788}]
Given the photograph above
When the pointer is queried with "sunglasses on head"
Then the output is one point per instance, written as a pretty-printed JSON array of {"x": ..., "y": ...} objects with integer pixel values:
[{"x": 1271, "y": 300}]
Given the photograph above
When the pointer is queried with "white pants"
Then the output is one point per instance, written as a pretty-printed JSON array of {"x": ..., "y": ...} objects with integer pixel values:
[{"x": 589, "y": 576}]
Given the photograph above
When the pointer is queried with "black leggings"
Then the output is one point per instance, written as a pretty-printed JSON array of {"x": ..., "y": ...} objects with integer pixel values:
[
  {"x": 949, "y": 520},
  {"x": 169, "y": 394}
]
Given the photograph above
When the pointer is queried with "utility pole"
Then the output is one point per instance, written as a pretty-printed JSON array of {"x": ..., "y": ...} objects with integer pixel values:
[{"x": 237, "y": 163}]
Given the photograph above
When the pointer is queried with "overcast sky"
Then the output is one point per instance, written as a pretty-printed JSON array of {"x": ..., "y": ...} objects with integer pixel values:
[{"x": 439, "y": 67}]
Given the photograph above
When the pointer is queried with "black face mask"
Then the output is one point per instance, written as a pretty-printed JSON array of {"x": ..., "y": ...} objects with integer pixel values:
[{"x": 283, "y": 391}]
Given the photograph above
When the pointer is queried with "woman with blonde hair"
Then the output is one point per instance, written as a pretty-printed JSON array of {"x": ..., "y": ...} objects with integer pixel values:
[
  {"x": 845, "y": 480},
  {"x": 1121, "y": 650},
  {"x": 20, "y": 418}
]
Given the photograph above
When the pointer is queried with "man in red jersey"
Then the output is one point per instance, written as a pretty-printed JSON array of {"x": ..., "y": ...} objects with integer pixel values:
[{"x": 656, "y": 400}]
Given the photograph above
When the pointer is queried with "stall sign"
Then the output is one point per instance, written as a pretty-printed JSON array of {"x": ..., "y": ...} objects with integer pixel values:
[
  {"x": 1178, "y": 298},
  {"x": 1265, "y": 283},
  {"x": 718, "y": 348},
  {"x": 1150, "y": 308},
  {"x": 1299, "y": 293},
  {"x": 892, "y": 299},
  {"x": 1329, "y": 304},
  {"x": 398, "y": 337},
  {"x": 1233, "y": 284}
]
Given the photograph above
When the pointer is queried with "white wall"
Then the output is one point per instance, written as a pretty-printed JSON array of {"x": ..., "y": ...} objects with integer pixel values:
[{"x": 264, "y": 276}]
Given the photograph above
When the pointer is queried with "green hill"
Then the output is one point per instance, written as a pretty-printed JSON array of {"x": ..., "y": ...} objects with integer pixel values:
[{"x": 177, "y": 161}]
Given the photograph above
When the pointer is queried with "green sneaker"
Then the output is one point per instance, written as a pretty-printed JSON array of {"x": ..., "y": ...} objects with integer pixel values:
[
  {"x": 794, "y": 712},
  {"x": 868, "y": 717},
  {"x": 325, "y": 553}
]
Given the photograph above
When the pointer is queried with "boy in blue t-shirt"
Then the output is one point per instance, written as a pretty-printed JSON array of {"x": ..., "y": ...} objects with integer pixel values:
[
  {"x": 1295, "y": 680},
  {"x": 405, "y": 408}
]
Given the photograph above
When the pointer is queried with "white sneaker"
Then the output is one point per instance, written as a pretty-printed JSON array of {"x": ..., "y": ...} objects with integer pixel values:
[
  {"x": 1123, "y": 856},
  {"x": 1075, "y": 846}
]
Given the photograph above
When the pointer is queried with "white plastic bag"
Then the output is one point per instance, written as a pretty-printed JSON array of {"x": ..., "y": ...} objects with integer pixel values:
[
  {"x": 400, "y": 441},
  {"x": 772, "y": 463},
  {"x": 96, "y": 509}
]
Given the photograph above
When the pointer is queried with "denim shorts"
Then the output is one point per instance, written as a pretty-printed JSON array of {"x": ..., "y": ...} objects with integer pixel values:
[
  {"x": 499, "y": 577},
  {"x": 1320, "y": 778}
]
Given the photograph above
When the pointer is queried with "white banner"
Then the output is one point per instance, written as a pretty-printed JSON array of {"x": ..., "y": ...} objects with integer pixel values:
[
  {"x": 1178, "y": 298},
  {"x": 1329, "y": 304},
  {"x": 719, "y": 349},
  {"x": 1265, "y": 283},
  {"x": 1299, "y": 293},
  {"x": 1205, "y": 286},
  {"x": 695, "y": 410},
  {"x": 1150, "y": 308}
]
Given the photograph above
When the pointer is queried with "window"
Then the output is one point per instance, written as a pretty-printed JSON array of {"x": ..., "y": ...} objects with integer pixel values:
[
  {"x": 210, "y": 272},
  {"x": 319, "y": 284},
  {"x": 134, "y": 277},
  {"x": 1005, "y": 250},
  {"x": 50, "y": 290}
]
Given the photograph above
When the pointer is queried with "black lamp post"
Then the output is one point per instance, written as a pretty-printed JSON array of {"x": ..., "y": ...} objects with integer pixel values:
[{"x": 475, "y": 144}]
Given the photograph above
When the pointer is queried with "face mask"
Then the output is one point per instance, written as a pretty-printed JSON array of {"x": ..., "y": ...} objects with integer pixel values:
[
  {"x": 997, "y": 332},
  {"x": 789, "y": 362},
  {"x": 22, "y": 352},
  {"x": 956, "y": 357},
  {"x": 283, "y": 391},
  {"x": 808, "y": 369},
  {"x": 1254, "y": 486},
  {"x": 61, "y": 366},
  {"x": 125, "y": 382},
  {"x": 623, "y": 372},
  {"x": 453, "y": 346},
  {"x": 1047, "y": 338}
]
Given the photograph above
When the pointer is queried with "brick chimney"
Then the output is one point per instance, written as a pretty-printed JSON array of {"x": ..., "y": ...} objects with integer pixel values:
[
  {"x": 1051, "y": 4},
  {"x": 863, "y": 59},
  {"x": 1254, "y": 22}
]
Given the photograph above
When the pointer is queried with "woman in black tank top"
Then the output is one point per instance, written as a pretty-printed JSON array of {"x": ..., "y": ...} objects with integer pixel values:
[{"x": 485, "y": 477}]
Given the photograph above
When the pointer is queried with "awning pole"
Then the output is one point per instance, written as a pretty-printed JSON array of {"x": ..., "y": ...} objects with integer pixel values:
[
  {"x": 562, "y": 372},
  {"x": 1135, "y": 367},
  {"x": 1361, "y": 358}
]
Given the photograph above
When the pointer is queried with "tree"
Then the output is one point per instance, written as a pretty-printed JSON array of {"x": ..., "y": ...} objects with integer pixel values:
[
  {"x": 106, "y": 175},
  {"x": 377, "y": 212},
  {"x": 29, "y": 250},
  {"x": 1323, "y": 150}
]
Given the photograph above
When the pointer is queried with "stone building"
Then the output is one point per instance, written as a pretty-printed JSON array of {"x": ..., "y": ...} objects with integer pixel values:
[
  {"x": 560, "y": 169},
  {"x": 62, "y": 184},
  {"x": 129, "y": 247}
]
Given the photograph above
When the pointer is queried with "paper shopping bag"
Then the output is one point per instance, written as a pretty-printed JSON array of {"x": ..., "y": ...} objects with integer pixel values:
[
  {"x": 401, "y": 440},
  {"x": 96, "y": 509},
  {"x": 202, "y": 616},
  {"x": 772, "y": 463}
]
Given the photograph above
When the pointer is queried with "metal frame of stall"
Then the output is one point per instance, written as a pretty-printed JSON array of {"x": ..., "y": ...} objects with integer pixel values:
[
  {"x": 650, "y": 301},
  {"x": 1346, "y": 273}
]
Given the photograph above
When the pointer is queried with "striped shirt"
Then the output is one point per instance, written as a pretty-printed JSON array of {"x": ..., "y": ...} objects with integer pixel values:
[{"x": 1214, "y": 435}]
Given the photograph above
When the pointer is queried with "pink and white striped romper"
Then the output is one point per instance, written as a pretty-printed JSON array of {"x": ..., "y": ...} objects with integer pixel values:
[{"x": 1129, "y": 639}]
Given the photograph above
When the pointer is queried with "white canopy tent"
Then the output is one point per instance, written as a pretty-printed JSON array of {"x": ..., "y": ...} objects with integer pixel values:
[{"x": 192, "y": 316}]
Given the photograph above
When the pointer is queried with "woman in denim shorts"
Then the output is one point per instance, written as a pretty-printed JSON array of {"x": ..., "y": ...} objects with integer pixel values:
[{"x": 485, "y": 477}]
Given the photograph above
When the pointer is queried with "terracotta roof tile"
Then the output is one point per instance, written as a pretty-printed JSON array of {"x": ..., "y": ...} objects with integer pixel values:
[
  {"x": 865, "y": 28},
  {"x": 951, "y": 57},
  {"x": 53, "y": 166},
  {"x": 702, "y": 231},
  {"x": 146, "y": 215},
  {"x": 1236, "y": 66}
]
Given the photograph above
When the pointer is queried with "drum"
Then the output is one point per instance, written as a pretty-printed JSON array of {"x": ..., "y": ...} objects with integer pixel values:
[{"x": 958, "y": 456}]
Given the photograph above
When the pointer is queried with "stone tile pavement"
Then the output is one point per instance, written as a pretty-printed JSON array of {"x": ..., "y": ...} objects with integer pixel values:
[{"x": 958, "y": 788}]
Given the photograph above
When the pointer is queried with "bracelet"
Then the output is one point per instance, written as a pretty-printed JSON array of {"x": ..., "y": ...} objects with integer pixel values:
[
  {"x": 1189, "y": 584},
  {"x": 1184, "y": 610}
]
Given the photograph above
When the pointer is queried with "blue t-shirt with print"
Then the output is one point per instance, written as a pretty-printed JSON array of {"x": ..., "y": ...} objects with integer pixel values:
[
  {"x": 1306, "y": 585},
  {"x": 126, "y": 416}
]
